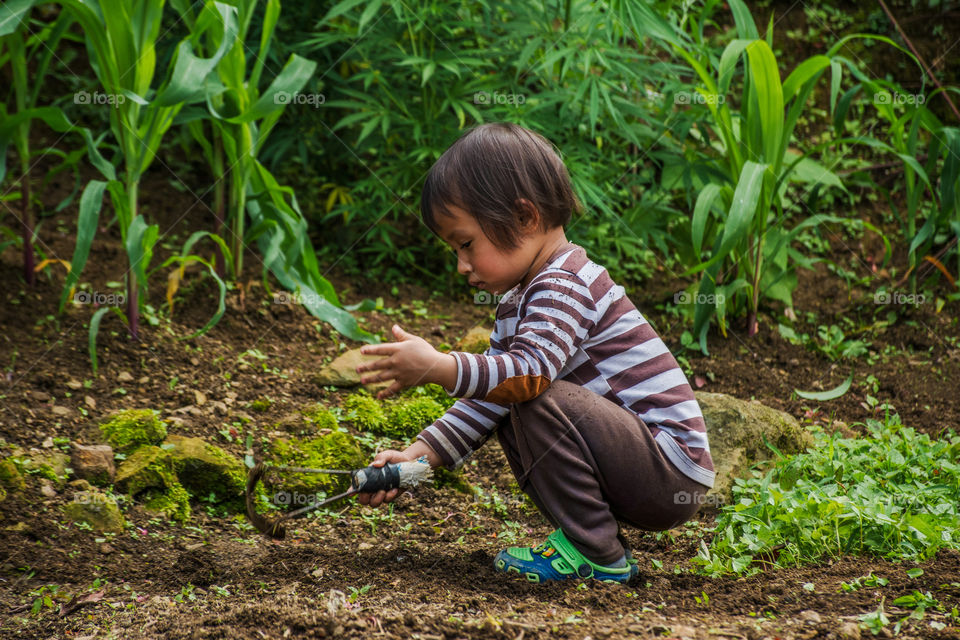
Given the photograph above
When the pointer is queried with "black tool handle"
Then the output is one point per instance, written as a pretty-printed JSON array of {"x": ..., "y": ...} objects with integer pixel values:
[{"x": 372, "y": 479}]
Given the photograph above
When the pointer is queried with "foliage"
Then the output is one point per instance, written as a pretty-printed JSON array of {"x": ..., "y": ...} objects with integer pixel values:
[
  {"x": 407, "y": 418},
  {"x": 364, "y": 411},
  {"x": 399, "y": 89},
  {"x": 892, "y": 494}
]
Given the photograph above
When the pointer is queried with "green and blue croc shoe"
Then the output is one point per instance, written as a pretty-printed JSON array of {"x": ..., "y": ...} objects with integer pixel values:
[{"x": 557, "y": 559}]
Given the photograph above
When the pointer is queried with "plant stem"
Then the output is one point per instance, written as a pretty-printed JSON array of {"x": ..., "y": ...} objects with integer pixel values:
[
  {"x": 133, "y": 310},
  {"x": 219, "y": 197},
  {"x": 27, "y": 222}
]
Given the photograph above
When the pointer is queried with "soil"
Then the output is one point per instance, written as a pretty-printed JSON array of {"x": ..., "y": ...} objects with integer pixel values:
[{"x": 422, "y": 569}]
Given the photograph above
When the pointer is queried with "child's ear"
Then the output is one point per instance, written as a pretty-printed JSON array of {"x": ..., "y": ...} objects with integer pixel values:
[{"x": 528, "y": 214}]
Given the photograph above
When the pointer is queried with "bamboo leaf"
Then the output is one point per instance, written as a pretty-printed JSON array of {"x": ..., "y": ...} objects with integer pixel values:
[{"x": 830, "y": 394}]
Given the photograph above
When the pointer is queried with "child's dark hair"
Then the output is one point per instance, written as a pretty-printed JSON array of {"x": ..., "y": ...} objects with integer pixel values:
[{"x": 488, "y": 170}]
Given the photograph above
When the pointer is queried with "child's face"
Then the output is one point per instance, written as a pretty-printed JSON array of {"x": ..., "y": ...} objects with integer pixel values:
[{"x": 485, "y": 265}]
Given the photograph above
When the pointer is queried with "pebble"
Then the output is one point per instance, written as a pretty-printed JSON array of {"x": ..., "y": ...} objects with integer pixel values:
[
  {"x": 199, "y": 398},
  {"x": 47, "y": 443},
  {"x": 40, "y": 396},
  {"x": 684, "y": 632},
  {"x": 47, "y": 490},
  {"x": 810, "y": 617},
  {"x": 123, "y": 376},
  {"x": 144, "y": 380},
  {"x": 849, "y": 631},
  {"x": 90, "y": 402},
  {"x": 60, "y": 411},
  {"x": 74, "y": 384}
]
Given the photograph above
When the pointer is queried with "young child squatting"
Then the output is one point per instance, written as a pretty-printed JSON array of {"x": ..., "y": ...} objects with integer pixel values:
[{"x": 597, "y": 420}]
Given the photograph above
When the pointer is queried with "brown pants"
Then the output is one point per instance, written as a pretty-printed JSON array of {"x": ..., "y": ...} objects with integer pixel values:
[{"x": 588, "y": 463}]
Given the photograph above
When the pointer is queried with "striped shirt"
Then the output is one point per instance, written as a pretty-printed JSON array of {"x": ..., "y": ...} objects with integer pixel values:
[{"x": 573, "y": 323}]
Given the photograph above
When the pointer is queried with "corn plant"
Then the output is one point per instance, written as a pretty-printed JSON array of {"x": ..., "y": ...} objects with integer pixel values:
[
  {"x": 121, "y": 38},
  {"x": 17, "y": 48},
  {"x": 240, "y": 119},
  {"x": 738, "y": 228}
]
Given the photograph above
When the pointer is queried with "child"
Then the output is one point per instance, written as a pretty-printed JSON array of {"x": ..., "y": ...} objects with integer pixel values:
[{"x": 597, "y": 421}]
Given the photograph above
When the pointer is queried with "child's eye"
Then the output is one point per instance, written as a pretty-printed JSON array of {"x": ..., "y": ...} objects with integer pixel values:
[{"x": 466, "y": 244}]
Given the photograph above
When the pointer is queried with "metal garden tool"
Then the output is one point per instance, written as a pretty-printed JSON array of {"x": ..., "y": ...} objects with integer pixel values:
[{"x": 403, "y": 475}]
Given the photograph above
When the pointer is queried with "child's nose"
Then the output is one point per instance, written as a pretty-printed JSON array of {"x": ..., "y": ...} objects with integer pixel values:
[{"x": 462, "y": 267}]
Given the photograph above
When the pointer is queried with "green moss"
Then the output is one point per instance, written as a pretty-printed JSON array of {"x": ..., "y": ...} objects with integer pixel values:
[
  {"x": 150, "y": 471},
  {"x": 52, "y": 465},
  {"x": 205, "y": 469},
  {"x": 364, "y": 411},
  {"x": 128, "y": 429},
  {"x": 96, "y": 509},
  {"x": 443, "y": 477},
  {"x": 336, "y": 450},
  {"x": 174, "y": 503},
  {"x": 434, "y": 391},
  {"x": 10, "y": 477},
  {"x": 408, "y": 417},
  {"x": 320, "y": 417},
  {"x": 261, "y": 404}
]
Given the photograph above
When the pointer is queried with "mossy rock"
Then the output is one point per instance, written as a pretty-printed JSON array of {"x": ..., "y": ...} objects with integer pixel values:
[
  {"x": 96, "y": 509},
  {"x": 443, "y": 477},
  {"x": 737, "y": 431},
  {"x": 129, "y": 429},
  {"x": 336, "y": 450},
  {"x": 10, "y": 478},
  {"x": 151, "y": 469},
  {"x": 364, "y": 412},
  {"x": 204, "y": 469},
  {"x": 409, "y": 416},
  {"x": 52, "y": 465},
  {"x": 476, "y": 340},
  {"x": 173, "y": 503},
  {"x": 261, "y": 404}
]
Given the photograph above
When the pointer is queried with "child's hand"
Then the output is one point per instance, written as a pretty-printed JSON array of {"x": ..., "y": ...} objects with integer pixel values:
[
  {"x": 381, "y": 497},
  {"x": 412, "y": 361}
]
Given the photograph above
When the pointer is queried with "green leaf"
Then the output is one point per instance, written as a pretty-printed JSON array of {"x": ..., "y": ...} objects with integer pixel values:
[
  {"x": 92, "y": 336},
  {"x": 90, "y": 203},
  {"x": 831, "y": 394}
]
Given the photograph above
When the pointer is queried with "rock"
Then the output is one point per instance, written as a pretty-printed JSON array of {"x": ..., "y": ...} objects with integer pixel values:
[
  {"x": 477, "y": 340},
  {"x": 40, "y": 396},
  {"x": 684, "y": 632},
  {"x": 123, "y": 376},
  {"x": 47, "y": 490},
  {"x": 810, "y": 617},
  {"x": 133, "y": 427},
  {"x": 74, "y": 384},
  {"x": 219, "y": 407},
  {"x": 47, "y": 443},
  {"x": 96, "y": 509},
  {"x": 58, "y": 410},
  {"x": 90, "y": 402},
  {"x": 51, "y": 465},
  {"x": 206, "y": 469},
  {"x": 10, "y": 478},
  {"x": 849, "y": 631},
  {"x": 93, "y": 463},
  {"x": 342, "y": 372},
  {"x": 736, "y": 430},
  {"x": 199, "y": 398},
  {"x": 143, "y": 380},
  {"x": 150, "y": 471}
]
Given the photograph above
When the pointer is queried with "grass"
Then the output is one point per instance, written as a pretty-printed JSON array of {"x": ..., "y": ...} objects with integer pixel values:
[{"x": 891, "y": 494}]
